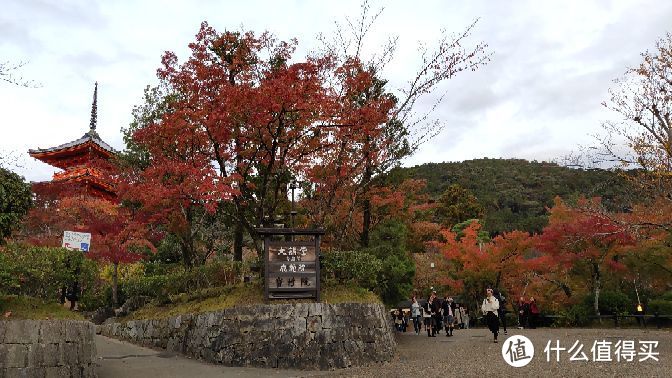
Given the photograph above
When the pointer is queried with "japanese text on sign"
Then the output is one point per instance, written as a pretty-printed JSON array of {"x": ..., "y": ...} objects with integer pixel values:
[{"x": 79, "y": 241}]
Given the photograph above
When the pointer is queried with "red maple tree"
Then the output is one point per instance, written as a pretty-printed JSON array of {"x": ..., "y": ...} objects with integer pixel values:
[{"x": 582, "y": 238}]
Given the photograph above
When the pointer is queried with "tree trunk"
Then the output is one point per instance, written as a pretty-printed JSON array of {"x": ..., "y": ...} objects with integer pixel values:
[
  {"x": 596, "y": 288},
  {"x": 238, "y": 242},
  {"x": 366, "y": 223},
  {"x": 115, "y": 298},
  {"x": 366, "y": 206}
]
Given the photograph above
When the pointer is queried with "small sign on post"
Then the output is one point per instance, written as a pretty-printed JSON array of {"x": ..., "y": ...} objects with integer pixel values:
[
  {"x": 78, "y": 241},
  {"x": 292, "y": 266}
]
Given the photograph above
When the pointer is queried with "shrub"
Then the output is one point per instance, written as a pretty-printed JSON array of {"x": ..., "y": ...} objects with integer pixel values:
[
  {"x": 615, "y": 302},
  {"x": 8, "y": 280},
  {"x": 351, "y": 267},
  {"x": 576, "y": 316},
  {"x": 15, "y": 200},
  {"x": 41, "y": 272},
  {"x": 660, "y": 306},
  {"x": 611, "y": 302},
  {"x": 178, "y": 280},
  {"x": 667, "y": 296},
  {"x": 100, "y": 295}
]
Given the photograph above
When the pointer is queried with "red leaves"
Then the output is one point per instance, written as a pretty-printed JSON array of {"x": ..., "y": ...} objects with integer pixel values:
[{"x": 582, "y": 233}]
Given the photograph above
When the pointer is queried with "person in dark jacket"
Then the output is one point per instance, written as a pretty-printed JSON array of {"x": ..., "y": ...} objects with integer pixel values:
[
  {"x": 523, "y": 311},
  {"x": 428, "y": 315},
  {"x": 448, "y": 309},
  {"x": 534, "y": 313},
  {"x": 502, "y": 308},
  {"x": 436, "y": 314},
  {"x": 399, "y": 319}
]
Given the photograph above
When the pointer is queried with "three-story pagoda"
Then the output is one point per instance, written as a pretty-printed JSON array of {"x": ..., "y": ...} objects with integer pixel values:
[{"x": 84, "y": 162}]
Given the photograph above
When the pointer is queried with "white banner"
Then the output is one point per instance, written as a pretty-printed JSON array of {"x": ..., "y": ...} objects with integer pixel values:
[{"x": 79, "y": 241}]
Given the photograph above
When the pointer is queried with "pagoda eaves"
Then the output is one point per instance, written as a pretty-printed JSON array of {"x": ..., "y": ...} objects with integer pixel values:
[{"x": 75, "y": 153}]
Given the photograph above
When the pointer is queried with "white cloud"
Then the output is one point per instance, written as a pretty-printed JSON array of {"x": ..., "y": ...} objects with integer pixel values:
[{"x": 538, "y": 99}]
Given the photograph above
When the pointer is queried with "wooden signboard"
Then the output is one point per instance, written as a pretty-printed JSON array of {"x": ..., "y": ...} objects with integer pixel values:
[{"x": 292, "y": 262}]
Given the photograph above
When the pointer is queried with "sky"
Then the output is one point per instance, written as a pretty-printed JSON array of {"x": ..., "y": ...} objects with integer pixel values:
[{"x": 539, "y": 98}]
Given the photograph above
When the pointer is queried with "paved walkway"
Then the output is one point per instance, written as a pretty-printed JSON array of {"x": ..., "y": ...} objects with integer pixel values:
[
  {"x": 121, "y": 359},
  {"x": 470, "y": 353}
]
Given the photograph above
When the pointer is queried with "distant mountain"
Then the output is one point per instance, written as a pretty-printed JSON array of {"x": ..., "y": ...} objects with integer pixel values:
[{"x": 516, "y": 193}]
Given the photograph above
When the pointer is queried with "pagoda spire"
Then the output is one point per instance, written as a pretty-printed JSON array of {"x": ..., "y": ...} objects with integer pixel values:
[{"x": 94, "y": 109}]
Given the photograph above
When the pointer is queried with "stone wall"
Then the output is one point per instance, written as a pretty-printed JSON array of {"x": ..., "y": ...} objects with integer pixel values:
[
  {"x": 52, "y": 348},
  {"x": 300, "y": 336}
]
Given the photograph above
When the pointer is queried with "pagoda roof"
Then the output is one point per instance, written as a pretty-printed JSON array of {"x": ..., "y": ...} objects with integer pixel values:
[
  {"x": 84, "y": 174},
  {"x": 91, "y": 136}
]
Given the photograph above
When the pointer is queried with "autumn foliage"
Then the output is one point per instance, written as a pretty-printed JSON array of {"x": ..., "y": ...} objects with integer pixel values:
[{"x": 214, "y": 151}]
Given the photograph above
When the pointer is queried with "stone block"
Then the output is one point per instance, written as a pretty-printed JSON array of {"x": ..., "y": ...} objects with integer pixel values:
[
  {"x": 3, "y": 329},
  {"x": 59, "y": 372},
  {"x": 131, "y": 330},
  {"x": 3, "y": 356},
  {"x": 42, "y": 355},
  {"x": 86, "y": 371},
  {"x": 266, "y": 325},
  {"x": 22, "y": 332},
  {"x": 24, "y": 372},
  {"x": 70, "y": 353},
  {"x": 139, "y": 327},
  {"x": 301, "y": 310},
  {"x": 175, "y": 322},
  {"x": 314, "y": 323},
  {"x": 17, "y": 356},
  {"x": 282, "y": 311},
  {"x": 86, "y": 351},
  {"x": 52, "y": 332},
  {"x": 314, "y": 309},
  {"x": 73, "y": 331}
]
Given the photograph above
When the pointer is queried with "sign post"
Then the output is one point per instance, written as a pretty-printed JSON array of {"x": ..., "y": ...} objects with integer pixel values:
[
  {"x": 292, "y": 267},
  {"x": 78, "y": 241}
]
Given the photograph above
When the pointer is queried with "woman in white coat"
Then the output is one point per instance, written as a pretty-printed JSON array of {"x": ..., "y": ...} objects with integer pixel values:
[{"x": 489, "y": 307}]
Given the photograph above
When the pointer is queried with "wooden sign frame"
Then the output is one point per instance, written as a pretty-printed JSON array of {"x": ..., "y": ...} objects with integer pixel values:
[{"x": 284, "y": 238}]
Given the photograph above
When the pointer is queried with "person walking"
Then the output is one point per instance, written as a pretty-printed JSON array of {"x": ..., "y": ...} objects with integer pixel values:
[
  {"x": 523, "y": 310},
  {"x": 464, "y": 311},
  {"x": 415, "y": 313},
  {"x": 489, "y": 308},
  {"x": 436, "y": 314},
  {"x": 448, "y": 315},
  {"x": 398, "y": 319},
  {"x": 459, "y": 319},
  {"x": 502, "y": 308},
  {"x": 428, "y": 316},
  {"x": 534, "y": 313}
]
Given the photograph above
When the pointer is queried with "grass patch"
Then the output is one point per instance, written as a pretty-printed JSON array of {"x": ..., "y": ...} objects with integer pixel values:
[
  {"x": 32, "y": 308},
  {"x": 348, "y": 294},
  {"x": 220, "y": 298},
  {"x": 207, "y": 300}
]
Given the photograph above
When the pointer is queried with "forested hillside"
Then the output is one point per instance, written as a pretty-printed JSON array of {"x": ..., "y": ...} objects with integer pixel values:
[{"x": 516, "y": 193}]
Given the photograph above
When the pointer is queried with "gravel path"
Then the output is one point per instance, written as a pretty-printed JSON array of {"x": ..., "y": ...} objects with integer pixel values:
[{"x": 471, "y": 353}]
